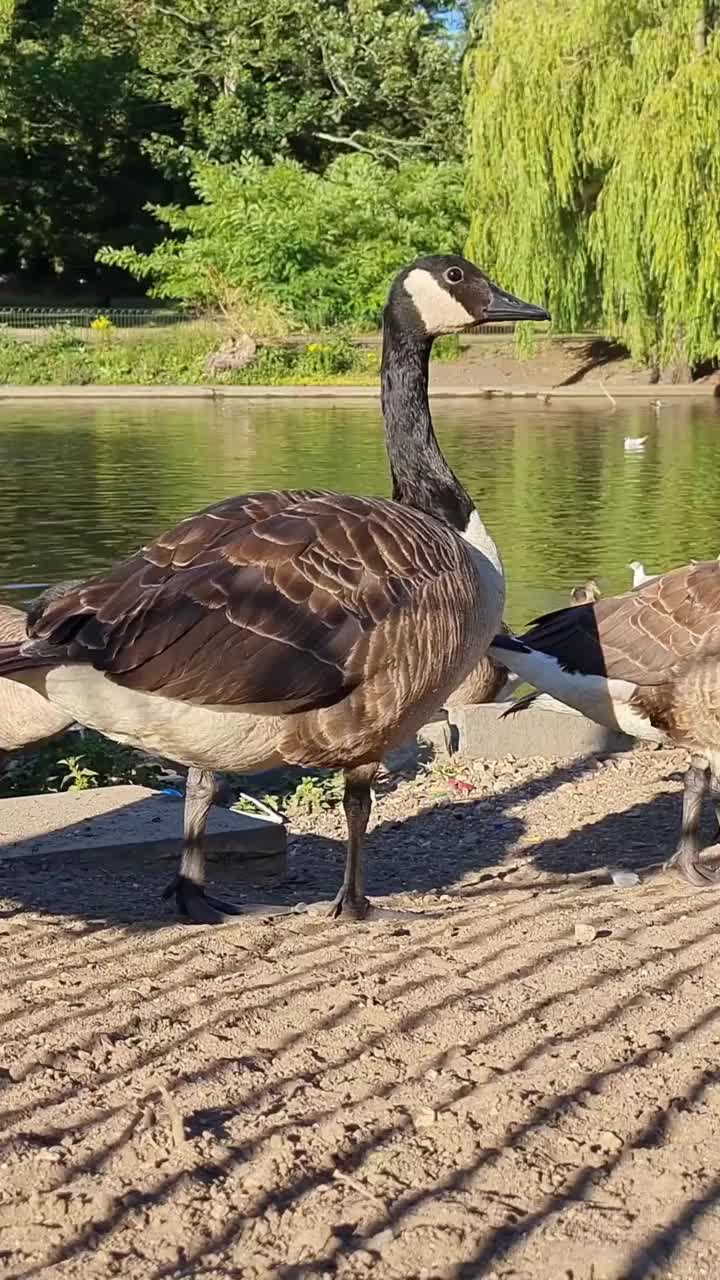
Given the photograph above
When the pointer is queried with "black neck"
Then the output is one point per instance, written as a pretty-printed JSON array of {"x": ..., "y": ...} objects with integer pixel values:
[{"x": 420, "y": 474}]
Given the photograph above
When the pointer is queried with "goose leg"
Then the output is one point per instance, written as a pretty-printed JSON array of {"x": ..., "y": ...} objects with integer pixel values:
[
  {"x": 188, "y": 886},
  {"x": 350, "y": 901},
  {"x": 686, "y": 858},
  {"x": 357, "y": 803}
]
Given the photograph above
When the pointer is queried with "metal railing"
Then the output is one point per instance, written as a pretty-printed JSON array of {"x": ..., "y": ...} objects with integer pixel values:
[
  {"x": 502, "y": 329},
  {"x": 83, "y": 317}
]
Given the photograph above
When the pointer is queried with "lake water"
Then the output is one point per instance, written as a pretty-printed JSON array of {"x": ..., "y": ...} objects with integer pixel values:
[{"x": 82, "y": 485}]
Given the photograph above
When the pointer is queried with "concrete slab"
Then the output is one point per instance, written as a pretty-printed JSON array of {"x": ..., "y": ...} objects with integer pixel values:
[
  {"x": 126, "y": 826},
  {"x": 546, "y": 729}
]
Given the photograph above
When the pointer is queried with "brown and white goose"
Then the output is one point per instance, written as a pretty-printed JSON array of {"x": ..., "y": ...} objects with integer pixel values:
[
  {"x": 298, "y": 627},
  {"x": 27, "y": 719},
  {"x": 648, "y": 663}
]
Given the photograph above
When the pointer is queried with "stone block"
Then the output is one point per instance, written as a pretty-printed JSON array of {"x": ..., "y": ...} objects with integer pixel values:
[
  {"x": 124, "y": 826},
  {"x": 547, "y": 728}
]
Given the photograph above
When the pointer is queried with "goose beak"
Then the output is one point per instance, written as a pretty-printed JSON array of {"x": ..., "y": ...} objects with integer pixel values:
[{"x": 505, "y": 306}]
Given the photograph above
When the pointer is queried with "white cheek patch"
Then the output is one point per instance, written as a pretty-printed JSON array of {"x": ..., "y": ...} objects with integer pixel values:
[{"x": 438, "y": 310}]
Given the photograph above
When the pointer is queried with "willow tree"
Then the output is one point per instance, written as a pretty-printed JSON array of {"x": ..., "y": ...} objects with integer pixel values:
[{"x": 594, "y": 175}]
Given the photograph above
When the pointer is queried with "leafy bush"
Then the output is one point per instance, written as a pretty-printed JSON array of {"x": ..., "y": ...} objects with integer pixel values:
[{"x": 316, "y": 250}]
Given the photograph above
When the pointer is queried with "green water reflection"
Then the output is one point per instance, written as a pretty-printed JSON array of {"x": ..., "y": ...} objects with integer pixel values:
[{"x": 82, "y": 485}]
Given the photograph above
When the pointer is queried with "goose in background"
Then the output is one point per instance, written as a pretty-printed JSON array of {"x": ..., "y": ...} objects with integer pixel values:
[
  {"x": 587, "y": 593},
  {"x": 648, "y": 663},
  {"x": 298, "y": 627},
  {"x": 27, "y": 719},
  {"x": 634, "y": 444},
  {"x": 489, "y": 681}
]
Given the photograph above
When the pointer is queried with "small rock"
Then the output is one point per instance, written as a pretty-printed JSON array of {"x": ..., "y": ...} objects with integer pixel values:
[
  {"x": 381, "y": 1240},
  {"x": 585, "y": 933},
  {"x": 609, "y": 1141},
  {"x": 425, "y": 1117}
]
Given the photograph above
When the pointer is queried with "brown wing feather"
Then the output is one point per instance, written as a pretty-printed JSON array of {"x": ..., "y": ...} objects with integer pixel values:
[
  {"x": 13, "y": 625},
  {"x": 643, "y": 636},
  {"x": 263, "y": 599}
]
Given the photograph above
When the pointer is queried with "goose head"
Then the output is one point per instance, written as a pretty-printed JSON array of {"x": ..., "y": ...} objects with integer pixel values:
[
  {"x": 444, "y": 293},
  {"x": 636, "y": 566}
]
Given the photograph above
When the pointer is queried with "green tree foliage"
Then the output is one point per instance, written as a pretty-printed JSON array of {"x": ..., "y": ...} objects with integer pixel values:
[
  {"x": 104, "y": 103},
  {"x": 317, "y": 249},
  {"x": 292, "y": 77},
  {"x": 6, "y": 15},
  {"x": 595, "y": 172},
  {"x": 71, "y": 128}
]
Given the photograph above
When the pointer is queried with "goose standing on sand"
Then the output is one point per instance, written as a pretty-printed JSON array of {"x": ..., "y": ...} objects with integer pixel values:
[
  {"x": 648, "y": 663},
  {"x": 298, "y": 627}
]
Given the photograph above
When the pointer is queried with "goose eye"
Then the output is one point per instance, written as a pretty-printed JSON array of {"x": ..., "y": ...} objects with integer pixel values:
[{"x": 454, "y": 275}]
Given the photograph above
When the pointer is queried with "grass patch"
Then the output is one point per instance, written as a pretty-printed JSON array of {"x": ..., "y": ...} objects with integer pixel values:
[{"x": 178, "y": 356}]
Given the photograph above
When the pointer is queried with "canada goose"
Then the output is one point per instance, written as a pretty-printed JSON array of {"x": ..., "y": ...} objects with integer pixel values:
[
  {"x": 26, "y": 718},
  {"x": 298, "y": 627},
  {"x": 490, "y": 680},
  {"x": 645, "y": 662},
  {"x": 639, "y": 576},
  {"x": 634, "y": 444},
  {"x": 484, "y": 683},
  {"x": 585, "y": 594}
]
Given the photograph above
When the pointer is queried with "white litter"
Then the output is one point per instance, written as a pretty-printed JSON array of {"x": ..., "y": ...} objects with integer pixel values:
[{"x": 624, "y": 879}]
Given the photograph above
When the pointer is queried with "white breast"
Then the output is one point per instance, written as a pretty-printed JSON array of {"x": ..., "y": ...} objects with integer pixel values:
[{"x": 208, "y": 738}]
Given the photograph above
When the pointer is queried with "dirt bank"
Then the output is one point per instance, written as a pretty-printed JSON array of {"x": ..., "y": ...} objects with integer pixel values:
[
  {"x": 574, "y": 362},
  {"x": 472, "y": 1092}
]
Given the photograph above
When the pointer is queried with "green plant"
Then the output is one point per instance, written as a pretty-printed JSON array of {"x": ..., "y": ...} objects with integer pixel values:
[
  {"x": 447, "y": 348},
  {"x": 315, "y": 795},
  {"x": 78, "y": 777},
  {"x": 320, "y": 250},
  {"x": 91, "y": 761}
]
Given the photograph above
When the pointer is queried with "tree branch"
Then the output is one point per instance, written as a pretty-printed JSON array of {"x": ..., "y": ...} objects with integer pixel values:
[
  {"x": 195, "y": 24},
  {"x": 344, "y": 142}
]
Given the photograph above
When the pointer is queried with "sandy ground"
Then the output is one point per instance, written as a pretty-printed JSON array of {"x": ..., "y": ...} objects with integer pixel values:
[
  {"x": 553, "y": 364},
  {"x": 477, "y": 1090}
]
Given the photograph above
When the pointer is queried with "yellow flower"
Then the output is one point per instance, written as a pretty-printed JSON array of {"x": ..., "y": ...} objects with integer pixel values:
[{"x": 102, "y": 324}]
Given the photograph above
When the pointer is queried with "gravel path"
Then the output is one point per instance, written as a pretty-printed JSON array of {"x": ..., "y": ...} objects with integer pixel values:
[{"x": 519, "y": 1080}]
